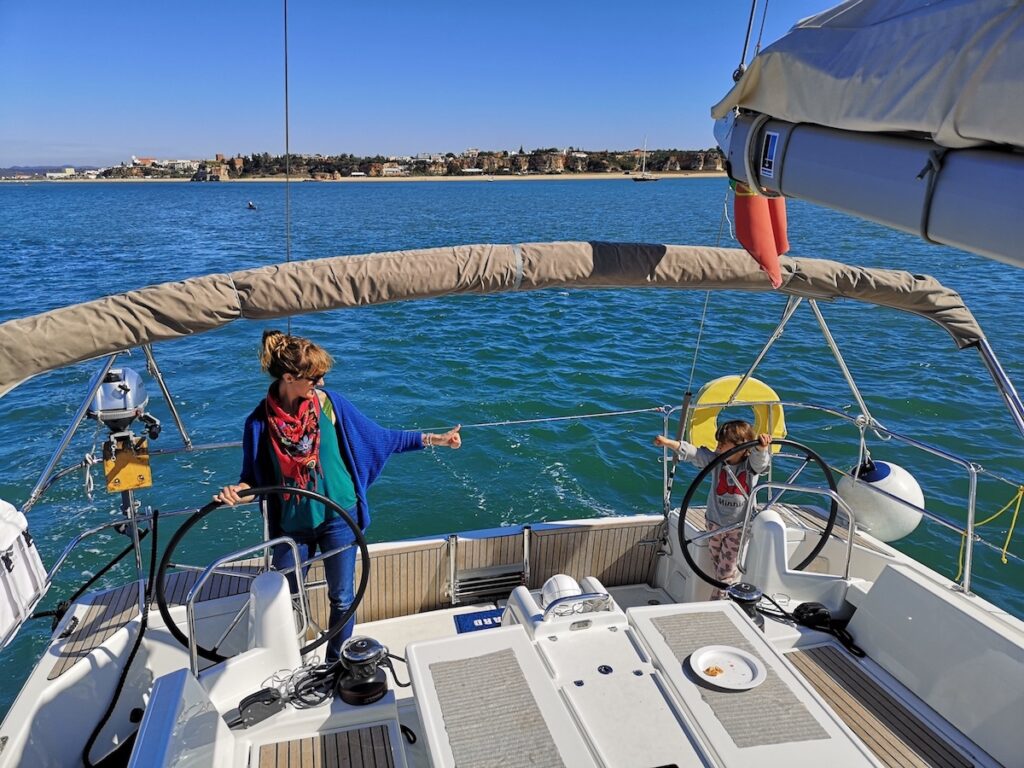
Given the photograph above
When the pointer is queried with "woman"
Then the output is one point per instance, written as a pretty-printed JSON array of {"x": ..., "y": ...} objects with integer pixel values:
[{"x": 303, "y": 436}]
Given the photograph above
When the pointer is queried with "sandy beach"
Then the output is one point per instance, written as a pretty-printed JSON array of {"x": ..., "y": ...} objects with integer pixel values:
[{"x": 391, "y": 179}]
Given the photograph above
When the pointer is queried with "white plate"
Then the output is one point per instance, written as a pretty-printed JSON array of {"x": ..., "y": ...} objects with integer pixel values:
[{"x": 740, "y": 670}]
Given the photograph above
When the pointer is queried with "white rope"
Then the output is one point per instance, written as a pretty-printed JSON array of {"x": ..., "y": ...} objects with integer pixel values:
[{"x": 726, "y": 220}]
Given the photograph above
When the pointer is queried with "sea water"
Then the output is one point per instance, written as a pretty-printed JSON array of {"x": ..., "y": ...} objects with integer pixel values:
[{"x": 482, "y": 359}]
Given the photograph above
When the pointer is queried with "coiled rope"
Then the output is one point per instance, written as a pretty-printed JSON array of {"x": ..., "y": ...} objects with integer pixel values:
[{"x": 1015, "y": 502}]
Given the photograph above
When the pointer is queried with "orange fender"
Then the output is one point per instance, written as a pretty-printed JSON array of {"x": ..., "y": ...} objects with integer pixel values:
[
  {"x": 777, "y": 212},
  {"x": 755, "y": 216}
]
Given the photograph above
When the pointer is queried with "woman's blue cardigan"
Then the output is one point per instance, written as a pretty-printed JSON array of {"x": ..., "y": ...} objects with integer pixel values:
[{"x": 365, "y": 448}]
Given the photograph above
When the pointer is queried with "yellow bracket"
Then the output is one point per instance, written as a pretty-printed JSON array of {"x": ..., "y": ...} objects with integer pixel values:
[{"x": 126, "y": 465}]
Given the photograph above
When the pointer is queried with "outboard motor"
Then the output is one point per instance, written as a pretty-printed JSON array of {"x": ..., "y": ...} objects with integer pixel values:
[
  {"x": 120, "y": 400},
  {"x": 363, "y": 681}
]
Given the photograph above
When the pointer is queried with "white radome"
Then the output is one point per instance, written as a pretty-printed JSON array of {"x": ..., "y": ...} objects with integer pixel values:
[
  {"x": 559, "y": 586},
  {"x": 884, "y": 518}
]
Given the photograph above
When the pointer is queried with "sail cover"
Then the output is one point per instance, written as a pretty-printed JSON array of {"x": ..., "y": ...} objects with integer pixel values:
[
  {"x": 43, "y": 342},
  {"x": 948, "y": 69}
]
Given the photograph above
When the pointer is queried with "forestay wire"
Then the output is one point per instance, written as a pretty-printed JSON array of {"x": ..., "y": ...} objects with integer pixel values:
[
  {"x": 287, "y": 161},
  {"x": 738, "y": 73},
  {"x": 684, "y": 411}
]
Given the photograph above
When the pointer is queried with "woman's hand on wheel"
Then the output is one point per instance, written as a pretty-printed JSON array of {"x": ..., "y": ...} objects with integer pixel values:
[{"x": 229, "y": 494}]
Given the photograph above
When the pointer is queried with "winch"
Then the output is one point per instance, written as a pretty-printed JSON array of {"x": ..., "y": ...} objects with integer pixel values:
[
  {"x": 747, "y": 596},
  {"x": 363, "y": 681}
]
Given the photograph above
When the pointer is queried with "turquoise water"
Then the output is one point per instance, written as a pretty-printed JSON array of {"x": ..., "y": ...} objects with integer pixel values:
[{"x": 469, "y": 360}]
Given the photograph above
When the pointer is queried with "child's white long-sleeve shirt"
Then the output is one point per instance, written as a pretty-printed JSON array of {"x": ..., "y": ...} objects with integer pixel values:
[{"x": 731, "y": 483}]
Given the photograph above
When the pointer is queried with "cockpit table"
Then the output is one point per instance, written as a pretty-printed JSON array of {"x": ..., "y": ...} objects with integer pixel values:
[{"x": 782, "y": 721}]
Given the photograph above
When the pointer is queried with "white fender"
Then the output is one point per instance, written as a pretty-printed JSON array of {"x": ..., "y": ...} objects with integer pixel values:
[{"x": 884, "y": 518}]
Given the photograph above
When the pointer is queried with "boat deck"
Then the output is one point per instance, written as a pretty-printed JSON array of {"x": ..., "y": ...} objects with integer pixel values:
[
  {"x": 896, "y": 735},
  {"x": 368, "y": 747},
  {"x": 412, "y": 577},
  {"x": 107, "y": 612}
]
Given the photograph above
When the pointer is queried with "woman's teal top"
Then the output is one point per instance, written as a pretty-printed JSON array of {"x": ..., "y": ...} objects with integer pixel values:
[{"x": 300, "y": 513}]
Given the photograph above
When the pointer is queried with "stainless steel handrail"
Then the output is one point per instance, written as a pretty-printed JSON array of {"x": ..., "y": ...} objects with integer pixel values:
[
  {"x": 193, "y": 593},
  {"x": 94, "y": 385},
  {"x": 748, "y": 510},
  {"x": 974, "y": 471}
]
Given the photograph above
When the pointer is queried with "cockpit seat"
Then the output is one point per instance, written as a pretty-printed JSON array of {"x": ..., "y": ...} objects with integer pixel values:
[
  {"x": 482, "y": 696},
  {"x": 179, "y": 705},
  {"x": 273, "y": 644},
  {"x": 767, "y": 567}
]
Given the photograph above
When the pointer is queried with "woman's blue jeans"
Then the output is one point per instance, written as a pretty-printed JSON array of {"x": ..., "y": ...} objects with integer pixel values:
[{"x": 339, "y": 570}]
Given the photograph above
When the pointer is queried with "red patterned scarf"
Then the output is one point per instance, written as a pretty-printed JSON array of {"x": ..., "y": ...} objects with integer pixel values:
[{"x": 295, "y": 440}]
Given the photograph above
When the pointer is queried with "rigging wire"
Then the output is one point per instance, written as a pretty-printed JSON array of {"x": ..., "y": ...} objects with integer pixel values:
[
  {"x": 760, "y": 35},
  {"x": 516, "y": 422},
  {"x": 738, "y": 72},
  {"x": 287, "y": 161},
  {"x": 684, "y": 410}
]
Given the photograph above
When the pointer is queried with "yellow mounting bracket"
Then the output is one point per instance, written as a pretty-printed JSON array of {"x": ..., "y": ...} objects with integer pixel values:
[{"x": 126, "y": 464}]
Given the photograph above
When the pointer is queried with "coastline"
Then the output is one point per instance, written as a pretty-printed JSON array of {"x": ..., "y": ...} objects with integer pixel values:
[{"x": 388, "y": 179}]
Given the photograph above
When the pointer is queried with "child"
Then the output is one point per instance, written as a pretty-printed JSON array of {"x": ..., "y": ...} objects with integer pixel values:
[{"x": 730, "y": 487}]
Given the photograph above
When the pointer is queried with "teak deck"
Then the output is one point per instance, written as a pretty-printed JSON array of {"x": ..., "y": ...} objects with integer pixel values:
[
  {"x": 367, "y": 747},
  {"x": 409, "y": 577},
  {"x": 896, "y": 735}
]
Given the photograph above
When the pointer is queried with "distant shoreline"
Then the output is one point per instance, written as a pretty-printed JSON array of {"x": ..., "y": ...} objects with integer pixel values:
[{"x": 386, "y": 179}]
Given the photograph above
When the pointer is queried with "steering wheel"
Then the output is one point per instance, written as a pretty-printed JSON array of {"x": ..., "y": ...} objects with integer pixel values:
[
  {"x": 720, "y": 459},
  {"x": 211, "y": 653}
]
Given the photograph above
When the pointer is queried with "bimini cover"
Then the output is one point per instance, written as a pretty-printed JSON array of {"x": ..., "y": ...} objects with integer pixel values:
[
  {"x": 60, "y": 337},
  {"x": 950, "y": 69}
]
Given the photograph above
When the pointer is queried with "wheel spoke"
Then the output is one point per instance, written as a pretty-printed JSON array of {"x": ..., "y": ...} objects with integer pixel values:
[
  {"x": 792, "y": 479},
  {"x": 233, "y": 624},
  {"x": 806, "y": 454}
]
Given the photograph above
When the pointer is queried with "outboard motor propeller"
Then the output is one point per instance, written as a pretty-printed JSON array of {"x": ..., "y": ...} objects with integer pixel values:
[
  {"x": 747, "y": 596},
  {"x": 363, "y": 681}
]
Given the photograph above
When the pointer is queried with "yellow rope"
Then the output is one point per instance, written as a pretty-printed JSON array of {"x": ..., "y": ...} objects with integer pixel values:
[{"x": 1015, "y": 502}]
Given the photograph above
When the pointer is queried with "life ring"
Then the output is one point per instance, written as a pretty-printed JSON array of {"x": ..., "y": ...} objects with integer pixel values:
[
  {"x": 761, "y": 229},
  {"x": 768, "y": 416}
]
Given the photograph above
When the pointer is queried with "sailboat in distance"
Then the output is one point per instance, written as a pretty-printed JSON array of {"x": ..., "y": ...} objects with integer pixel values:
[{"x": 644, "y": 175}]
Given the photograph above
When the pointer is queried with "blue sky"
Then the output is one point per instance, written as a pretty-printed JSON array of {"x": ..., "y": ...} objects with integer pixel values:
[{"x": 93, "y": 83}]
